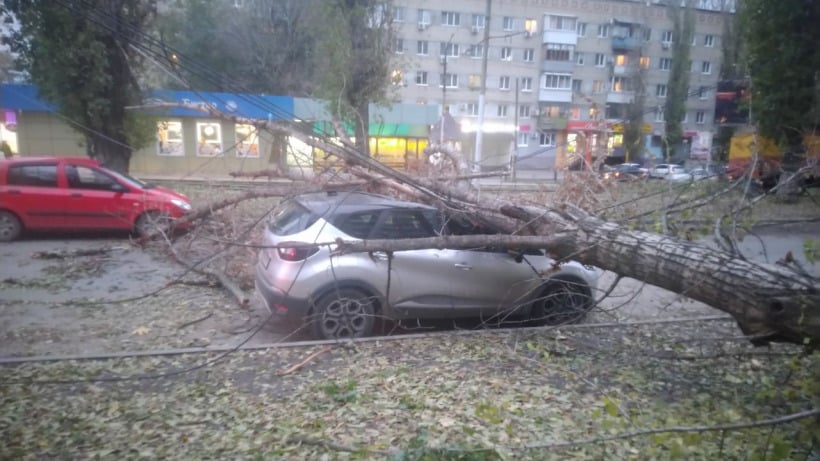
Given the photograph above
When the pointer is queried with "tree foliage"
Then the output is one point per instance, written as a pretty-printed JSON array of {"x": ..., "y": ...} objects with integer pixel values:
[
  {"x": 85, "y": 69},
  {"x": 784, "y": 59},
  {"x": 683, "y": 19}
]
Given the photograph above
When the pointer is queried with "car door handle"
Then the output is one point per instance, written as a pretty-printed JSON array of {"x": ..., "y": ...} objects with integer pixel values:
[
  {"x": 464, "y": 267},
  {"x": 13, "y": 192},
  {"x": 380, "y": 255},
  {"x": 76, "y": 194}
]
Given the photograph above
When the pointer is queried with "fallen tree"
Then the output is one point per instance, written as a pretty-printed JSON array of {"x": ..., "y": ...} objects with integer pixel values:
[{"x": 769, "y": 302}]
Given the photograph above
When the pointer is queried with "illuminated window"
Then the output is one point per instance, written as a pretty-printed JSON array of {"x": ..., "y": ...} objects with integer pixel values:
[
  {"x": 169, "y": 138},
  {"x": 247, "y": 141},
  {"x": 209, "y": 139},
  {"x": 644, "y": 62},
  {"x": 620, "y": 60}
]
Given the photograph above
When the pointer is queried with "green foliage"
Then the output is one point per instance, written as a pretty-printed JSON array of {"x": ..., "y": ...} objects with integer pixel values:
[
  {"x": 341, "y": 392},
  {"x": 811, "y": 249},
  {"x": 84, "y": 68},
  {"x": 783, "y": 58}
]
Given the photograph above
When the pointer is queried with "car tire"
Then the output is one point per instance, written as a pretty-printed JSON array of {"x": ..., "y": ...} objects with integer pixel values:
[
  {"x": 152, "y": 221},
  {"x": 10, "y": 226},
  {"x": 562, "y": 300},
  {"x": 342, "y": 314}
]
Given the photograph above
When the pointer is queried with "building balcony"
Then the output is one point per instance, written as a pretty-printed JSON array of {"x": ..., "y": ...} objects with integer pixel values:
[
  {"x": 545, "y": 95},
  {"x": 620, "y": 97},
  {"x": 563, "y": 37},
  {"x": 552, "y": 123},
  {"x": 563, "y": 67},
  {"x": 625, "y": 43}
]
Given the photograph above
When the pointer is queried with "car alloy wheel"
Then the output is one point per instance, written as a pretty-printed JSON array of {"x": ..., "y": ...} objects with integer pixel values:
[
  {"x": 344, "y": 313},
  {"x": 151, "y": 222},
  {"x": 562, "y": 301},
  {"x": 10, "y": 226}
]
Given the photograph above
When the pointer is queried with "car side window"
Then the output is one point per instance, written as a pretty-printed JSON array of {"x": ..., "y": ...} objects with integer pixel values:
[
  {"x": 32, "y": 175},
  {"x": 358, "y": 225},
  {"x": 403, "y": 224},
  {"x": 82, "y": 177}
]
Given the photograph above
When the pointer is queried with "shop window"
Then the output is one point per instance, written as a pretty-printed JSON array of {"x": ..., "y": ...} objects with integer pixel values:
[
  {"x": 247, "y": 141},
  {"x": 169, "y": 138},
  {"x": 209, "y": 139}
]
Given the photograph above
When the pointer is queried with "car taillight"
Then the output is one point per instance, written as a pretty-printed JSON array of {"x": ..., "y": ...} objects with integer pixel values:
[{"x": 297, "y": 252}]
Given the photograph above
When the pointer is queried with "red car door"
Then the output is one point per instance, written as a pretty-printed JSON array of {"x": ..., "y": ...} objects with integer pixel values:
[
  {"x": 97, "y": 200},
  {"x": 33, "y": 192}
]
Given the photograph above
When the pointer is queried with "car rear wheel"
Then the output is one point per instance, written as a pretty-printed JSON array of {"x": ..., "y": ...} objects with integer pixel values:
[
  {"x": 343, "y": 313},
  {"x": 152, "y": 221},
  {"x": 562, "y": 300},
  {"x": 10, "y": 226}
]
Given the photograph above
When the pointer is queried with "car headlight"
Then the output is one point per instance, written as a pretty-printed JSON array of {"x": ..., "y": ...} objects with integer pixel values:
[{"x": 181, "y": 204}]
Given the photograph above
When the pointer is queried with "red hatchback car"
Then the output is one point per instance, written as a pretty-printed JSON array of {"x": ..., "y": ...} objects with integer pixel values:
[{"x": 57, "y": 193}]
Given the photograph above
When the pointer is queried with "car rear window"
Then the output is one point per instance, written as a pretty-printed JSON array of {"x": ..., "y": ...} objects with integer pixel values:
[
  {"x": 32, "y": 175},
  {"x": 290, "y": 218}
]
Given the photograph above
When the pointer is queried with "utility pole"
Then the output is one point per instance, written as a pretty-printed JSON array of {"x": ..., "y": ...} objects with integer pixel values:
[
  {"x": 444, "y": 87},
  {"x": 479, "y": 134}
]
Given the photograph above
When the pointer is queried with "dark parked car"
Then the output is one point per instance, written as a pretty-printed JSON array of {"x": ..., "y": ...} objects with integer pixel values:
[
  {"x": 301, "y": 275},
  {"x": 60, "y": 193},
  {"x": 626, "y": 172}
]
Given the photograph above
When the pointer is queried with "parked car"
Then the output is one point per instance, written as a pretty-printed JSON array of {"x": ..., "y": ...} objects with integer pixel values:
[
  {"x": 626, "y": 172},
  {"x": 669, "y": 171},
  {"x": 699, "y": 174},
  {"x": 302, "y": 277},
  {"x": 56, "y": 193}
]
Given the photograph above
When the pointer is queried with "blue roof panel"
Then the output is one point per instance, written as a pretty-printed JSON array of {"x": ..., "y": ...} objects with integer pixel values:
[{"x": 24, "y": 98}]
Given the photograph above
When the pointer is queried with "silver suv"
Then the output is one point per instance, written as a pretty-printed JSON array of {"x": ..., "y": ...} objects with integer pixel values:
[{"x": 340, "y": 295}]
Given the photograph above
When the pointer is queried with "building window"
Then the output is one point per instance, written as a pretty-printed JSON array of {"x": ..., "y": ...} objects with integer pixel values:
[
  {"x": 621, "y": 84},
  {"x": 665, "y": 63},
  {"x": 424, "y": 19},
  {"x": 700, "y": 117},
  {"x": 526, "y": 84},
  {"x": 703, "y": 92},
  {"x": 557, "y": 81},
  {"x": 561, "y": 23},
  {"x": 479, "y": 21},
  {"x": 524, "y": 111},
  {"x": 600, "y": 60},
  {"x": 474, "y": 81},
  {"x": 247, "y": 141},
  {"x": 508, "y": 23},
  {"x": 169, "y": 138},
  {"x": 620, "y": 60},
  {"x": 575, "y": 113},
  {"x": 450, "y": 18},
  {"x": 523, "y": 139},
  {"x": 576, "y": 85},
  {"x": 647, "y": 34},
  {"x": 645, "y": 62},
  {"x": 666, "y": 37},
  {"x": 209, "y": 139},
  {"x": 660, "y": 91},
  {"x": 546, "y": 139},
  {"x": 603, "y": 30},
  {"x": 659, "y": 115},
  {"x": 597, "y": 86},
  {"x": 399, "y": 46},
  {"x": 476, "y": 51},
  {"x": 502, "y": 110},
  {"x": 421, "y": 77},
  {"x": 706, "y": 67},
  {"x": 694, "y": 40},
  {"x": 529, "y": 54},
  {"x": 423, "y": 47},
  {"x": 581, "y": 29},
  {"x": 685, "y": 117},
  {"x": 506, "y": 53},
  {"x": 709, "y": 41},
  {"x": 504, "y": 83},
  {"x": 449, "y": 49},
  {"x": 471, "y": 109},
  {"x": 558, "y": 52},
  {"x": 579, "y": 59},
  {"x": 398, "y": 14},
  {"x": 449, "y": 80}
]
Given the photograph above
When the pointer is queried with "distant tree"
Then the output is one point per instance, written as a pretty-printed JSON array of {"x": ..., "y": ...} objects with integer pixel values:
[
  {"x": 683, "y": 18},
  {"x": 356, "y": 52},
  {"x": 784, "y": 61},
  {"x": 77, "y": 55}
]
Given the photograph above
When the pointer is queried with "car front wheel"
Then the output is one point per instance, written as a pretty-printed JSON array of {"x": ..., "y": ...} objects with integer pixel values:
[
  {"x": 562, "y": 300},
  {"x": 343, "y": 313},
  {"x": 10, "y": 226},
  {"x": 152, "y": 221}
]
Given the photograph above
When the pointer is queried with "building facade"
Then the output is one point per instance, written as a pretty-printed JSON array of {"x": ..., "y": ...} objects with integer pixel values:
[{"x": 560, "y": 74}]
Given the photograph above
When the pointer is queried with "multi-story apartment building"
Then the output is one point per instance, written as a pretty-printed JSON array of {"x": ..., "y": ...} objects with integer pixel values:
[{"x": 560, "y": 74}]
